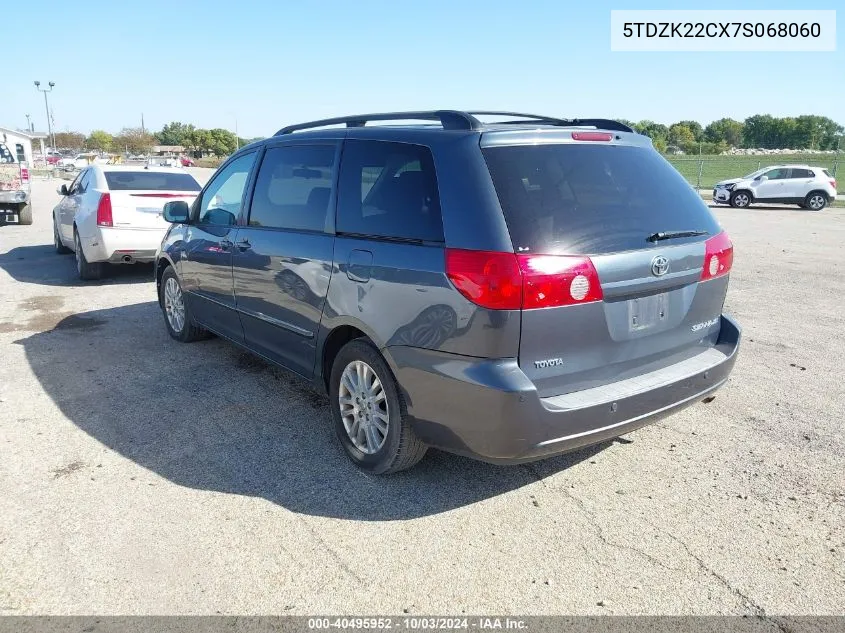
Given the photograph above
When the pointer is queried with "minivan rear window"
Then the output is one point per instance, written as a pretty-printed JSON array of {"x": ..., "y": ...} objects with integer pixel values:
[
  {"x": 150, "y": 181},
  {"x": 592, "y": 199}
]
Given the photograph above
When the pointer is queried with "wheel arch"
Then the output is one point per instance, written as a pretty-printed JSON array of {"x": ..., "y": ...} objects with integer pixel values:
[{"x": 337, "y": 334}]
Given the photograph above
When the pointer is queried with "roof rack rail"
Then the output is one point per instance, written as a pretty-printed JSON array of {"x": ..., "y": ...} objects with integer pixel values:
[
  {"x": 449, "y": 119},
  {"x": 456, "y": 120},
  {"x": 607, "y": 124}
]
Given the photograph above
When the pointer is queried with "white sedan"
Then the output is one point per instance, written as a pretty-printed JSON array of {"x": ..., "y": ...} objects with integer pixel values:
[{"x": 112, "y": 214}]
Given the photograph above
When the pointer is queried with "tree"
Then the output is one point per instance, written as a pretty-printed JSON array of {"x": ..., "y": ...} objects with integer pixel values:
[
  {"x": 815, "y": 132},
  {"x": 760, "y": 130},
  {"x": 100, "y": 141},
  {"x": 70, "y": 140},
  {"x": 223, "y": 142},
  {"x": 724, "y": 130},
  {"x": 134, "y": 141},
  {"x": 695, "y": 128},
  {"x": 681, "y": 136},
  {"x": 175, "y": 133}
]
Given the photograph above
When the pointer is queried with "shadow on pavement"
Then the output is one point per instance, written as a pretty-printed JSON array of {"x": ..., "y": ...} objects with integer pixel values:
[
  {"x": 42, "y": 265},
  {"x": 212, "y": 417}
]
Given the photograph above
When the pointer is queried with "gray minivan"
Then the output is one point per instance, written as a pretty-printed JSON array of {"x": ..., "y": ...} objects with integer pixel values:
[{"x": 506, "y": 290}]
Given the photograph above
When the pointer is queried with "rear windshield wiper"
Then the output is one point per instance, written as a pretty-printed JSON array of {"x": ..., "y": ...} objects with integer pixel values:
[{"x": 671, "y": 235}]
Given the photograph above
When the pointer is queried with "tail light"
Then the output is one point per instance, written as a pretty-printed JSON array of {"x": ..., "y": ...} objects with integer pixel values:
[
  {"x": 558, "y": 280},
  {"x": 505, "y": 281},
  {"x": 104, "y": 216},
  {"x": 24, "y": 174},
  {"x": 718, "y": 256},
  {"x": 591, "y": 136},
  {"x": 489, "y": 279},
  {"x": 833, "y": 183}
]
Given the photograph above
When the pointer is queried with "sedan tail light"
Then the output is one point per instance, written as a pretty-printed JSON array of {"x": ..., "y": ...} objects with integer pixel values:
[{"x": 104, "y": 215}]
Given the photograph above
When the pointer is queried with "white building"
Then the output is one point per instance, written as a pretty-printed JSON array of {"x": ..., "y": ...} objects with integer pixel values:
[{"x": 20, "y": 143}]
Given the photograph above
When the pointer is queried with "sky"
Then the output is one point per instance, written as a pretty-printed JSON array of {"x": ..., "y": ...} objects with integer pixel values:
[{"x": 259, "y": 65}]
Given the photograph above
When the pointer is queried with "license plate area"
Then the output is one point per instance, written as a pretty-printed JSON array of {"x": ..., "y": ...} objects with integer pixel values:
[
  {"x": 647, "y": 312},
  {"x": 10, "y": 218}
]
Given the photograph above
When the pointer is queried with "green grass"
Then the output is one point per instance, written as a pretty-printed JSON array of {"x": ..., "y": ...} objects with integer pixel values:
[{"x": 716, "y": 168}]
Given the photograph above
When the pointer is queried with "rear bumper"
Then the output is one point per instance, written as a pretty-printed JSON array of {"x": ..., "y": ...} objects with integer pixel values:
[
  {"x": 116, "y": 244},
  {"x": 14, "y": 197},
  {"x": 489, "y": 409}
]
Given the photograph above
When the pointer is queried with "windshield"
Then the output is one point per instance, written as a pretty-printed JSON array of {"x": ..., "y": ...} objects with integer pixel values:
[
  {"x": 754, "y": 174},
  {"x": 592, "y": 199},
  {"x": 150, "y": 181}
]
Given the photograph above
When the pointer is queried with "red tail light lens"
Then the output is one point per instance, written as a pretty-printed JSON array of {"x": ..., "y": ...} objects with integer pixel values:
[
  {"x": 833, "y": 183},
  {"x": 505, "y": 281},
  {"x": 489, "y": 279},
  {"x": 591, "y": 136},
  {"x": 104, "y": 216},
  {"x": 556, "y": 280},
  {"x": 718, "y": 256},
  {"x": 24, "y": 174}
]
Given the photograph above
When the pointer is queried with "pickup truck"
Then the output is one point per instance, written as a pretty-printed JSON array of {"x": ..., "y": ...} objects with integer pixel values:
[{"x": 14, "y": 189}]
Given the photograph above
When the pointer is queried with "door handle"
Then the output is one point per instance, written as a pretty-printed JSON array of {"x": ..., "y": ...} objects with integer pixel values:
[
  {"x": 243, "y": 244},
  {"x": 225, "y": 244}
]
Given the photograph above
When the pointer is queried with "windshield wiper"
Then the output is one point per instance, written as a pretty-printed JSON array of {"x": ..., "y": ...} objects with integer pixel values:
[{"x": 671, "y": 235}]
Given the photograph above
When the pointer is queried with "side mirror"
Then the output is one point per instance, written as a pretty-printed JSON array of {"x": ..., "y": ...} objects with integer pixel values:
[
  {"x": 62, "y": 190},
  {"x": 762, "y": 178},
  {"x": 176, "y": 212}
]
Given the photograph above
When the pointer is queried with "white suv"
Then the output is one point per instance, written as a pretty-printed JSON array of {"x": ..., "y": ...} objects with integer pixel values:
[{"x": 808, "y": 187}]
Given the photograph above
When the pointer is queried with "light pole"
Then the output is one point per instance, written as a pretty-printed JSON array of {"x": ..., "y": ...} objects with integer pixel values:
[{"x": 47, "y": 109}]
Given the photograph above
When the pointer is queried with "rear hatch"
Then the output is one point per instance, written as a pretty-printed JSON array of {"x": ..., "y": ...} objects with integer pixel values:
[
  {"x": 138, "y": 197},
  {"x": 612, "y": 244}
]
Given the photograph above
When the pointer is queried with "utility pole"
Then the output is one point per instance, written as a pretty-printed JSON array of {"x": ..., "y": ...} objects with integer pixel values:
[
  {"x": 142, "y": 124},
  {"x": 47, "y": 108},
  {"x": 28, "y": 125}
]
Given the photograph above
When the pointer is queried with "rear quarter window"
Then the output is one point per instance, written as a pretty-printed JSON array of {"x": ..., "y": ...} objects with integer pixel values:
[
  {"x": 150, "y": 181},
  {"x": 389, "y": 190},
  {"x": 592, "y": 199},
  {"x": 5, "y": 155}
]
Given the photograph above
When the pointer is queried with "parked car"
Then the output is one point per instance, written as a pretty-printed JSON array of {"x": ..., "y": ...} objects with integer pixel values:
[
  {"x": 53, "y": 158},
  {"x": 113, "y": 214},
  {"x": 187, "y": 161},
  {"x": 15, "y": 188},
  {"x": 507, "y": 290},
  {"x": 80, "y": 161},
  {"x": 808, "y": 187}
]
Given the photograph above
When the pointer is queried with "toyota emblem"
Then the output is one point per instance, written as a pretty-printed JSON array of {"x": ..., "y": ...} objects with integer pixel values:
[{"x": 659, "y": 266}]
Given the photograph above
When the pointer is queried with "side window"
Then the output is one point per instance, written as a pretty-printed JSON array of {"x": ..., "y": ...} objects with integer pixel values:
[
  {"x": 85, "y": 183},
  {"x": 221, "y": 201},
  {"x": 293, "y": 188},
  {"x": 76, "y": 185},
  {"x": 6, "y": 155},
  {"x": 389, "y": 190},
  {"x": 802, "y": 173},
  {"x": 20, "y": 153},
  {"x": 777, "y": 174}
]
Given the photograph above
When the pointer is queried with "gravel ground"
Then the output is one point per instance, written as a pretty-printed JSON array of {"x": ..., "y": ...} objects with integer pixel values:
[{"x": 141, "y": 476}]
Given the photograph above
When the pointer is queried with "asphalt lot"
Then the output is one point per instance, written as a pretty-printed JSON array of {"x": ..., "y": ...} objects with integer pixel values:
[{"x": 141, "y": 476}]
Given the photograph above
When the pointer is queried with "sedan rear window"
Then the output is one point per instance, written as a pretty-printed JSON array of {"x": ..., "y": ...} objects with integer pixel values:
[
  {"x": 150, "y": 181},
  {"x": 592, "y": 199}
]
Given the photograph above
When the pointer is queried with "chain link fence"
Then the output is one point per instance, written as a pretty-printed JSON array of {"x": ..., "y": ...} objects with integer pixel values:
[{"x": 702, "y": 172}]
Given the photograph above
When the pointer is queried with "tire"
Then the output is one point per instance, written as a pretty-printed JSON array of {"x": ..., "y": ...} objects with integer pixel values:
[
  {"x": 740, "y": 199},
  {"x": 170, "y": 297},
  {"x": 61, "y": 249},
  {"x": 815, "y": 201},
  {"x": 86, "y": 270},
  {"x": 25, "y": 214},
  {"x": 378, "y": 451}
]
